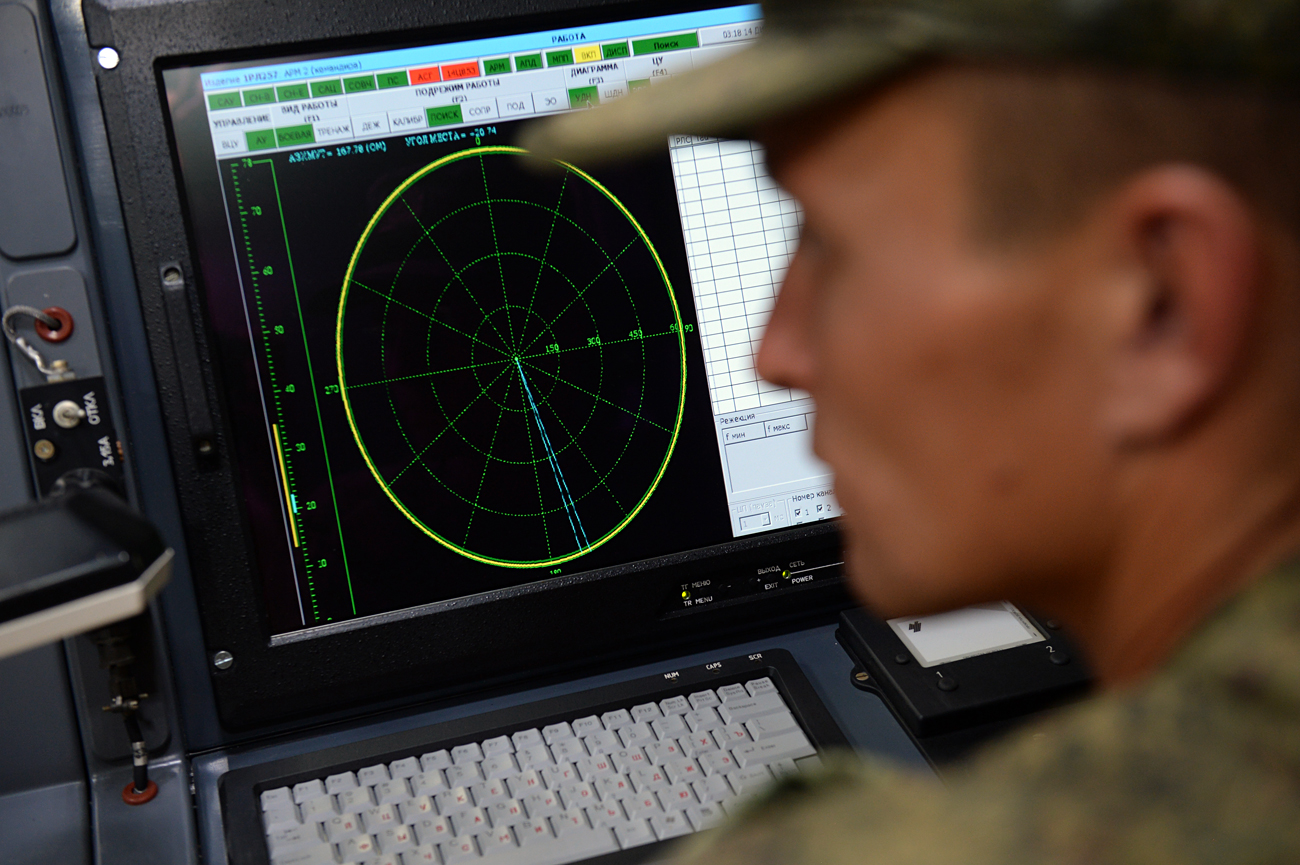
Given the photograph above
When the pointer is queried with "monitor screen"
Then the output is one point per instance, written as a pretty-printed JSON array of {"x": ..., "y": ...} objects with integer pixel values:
[{"x": 451, "y": 368}]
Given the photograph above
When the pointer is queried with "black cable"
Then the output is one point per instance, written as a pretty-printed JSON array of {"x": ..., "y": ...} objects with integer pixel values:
[{"x": 139, "y": 754}]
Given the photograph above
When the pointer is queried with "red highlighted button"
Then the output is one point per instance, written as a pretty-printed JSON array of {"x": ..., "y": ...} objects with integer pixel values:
[
  {"x": 428, "y": 75},
  {"x": 455, "y": 71}
]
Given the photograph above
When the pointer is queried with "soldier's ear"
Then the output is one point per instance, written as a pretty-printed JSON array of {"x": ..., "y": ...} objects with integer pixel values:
[{"x": 1193, "y": 255}]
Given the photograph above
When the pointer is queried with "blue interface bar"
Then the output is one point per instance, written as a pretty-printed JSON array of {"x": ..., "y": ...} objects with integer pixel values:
[{"x": 547, "y": 39}]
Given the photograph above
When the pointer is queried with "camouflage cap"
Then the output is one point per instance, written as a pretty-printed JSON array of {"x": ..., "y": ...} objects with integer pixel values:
[{"x": 815, "y": 49}]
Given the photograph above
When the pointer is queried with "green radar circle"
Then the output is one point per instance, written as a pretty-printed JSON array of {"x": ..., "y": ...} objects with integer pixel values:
[{"x": 511, "y": 357}]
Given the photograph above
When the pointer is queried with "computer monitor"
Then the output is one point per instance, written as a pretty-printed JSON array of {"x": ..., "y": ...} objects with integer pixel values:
[{"x": 443, "y": 413}]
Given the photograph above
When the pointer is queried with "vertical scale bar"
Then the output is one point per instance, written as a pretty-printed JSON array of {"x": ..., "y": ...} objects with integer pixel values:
[{"x": 284, "y": 476}]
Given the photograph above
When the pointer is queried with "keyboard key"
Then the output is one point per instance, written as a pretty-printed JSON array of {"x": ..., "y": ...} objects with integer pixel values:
[
  {"x": 686, "y": 770},
  {"x": 732, "y": 692},
  {"x": 432, "y": 830},
  {"x": 702, "y": 719},
  {"x": 577, "y": 795},
  {"x": 738, "y": 711},
  {"x": 633, "y": 833},
  {"x": 387, "y": 859},
  {"x": 358, "y": 848},
  {"x": 435, "y": 760},
  {"x": 718, "y": 762},
  {"x": 463, "y": 754},
  {"x": 648, "y": 778},
  {"x": 555, "y": 732},
  {"x": 712, "y": 789},
  {"x": 277, "y": 797},
  {"x": 733, "y": 733},
  {"x": 760, "y": 686},
  {"x": 380, "y": 817},
  {"x": 340, "y": 829},
  {"x": 506, "y": 813},
  {"x": 425, "y": 854},
  {"x": 534, "y": 757},
  {"x": 322, "y": 854},
  {"x": 500, "y": 766},
  {"x": 616, "y": 719},
  {"x": 591, "y": 768},
  {"x": 428, "y": 783},
  {"x": 459, "y": 850},
  {"x": 646, "y": 712},
  {"x": 669, "y": 728},
  {"x": 676, "y": 797},
  {"x": 698, "y": 743},
  {"x": 533, "y": 831},
  {"x": 558, "y": 776},
  {"x": 602, "y": 742},
  {"x": 608, "y": 813},
  {"x": 793, "y": 745},
  {"x": 392, "y": 792},
  {"x": 499, "y": 841},
  {"x": 771, "y": 725},
  {"x": 340, "y": 782},
  {"x": 318, "y": 810},
  {"x": 527, "y": 738},
  {"x": 755, "y": 779},
  {"x": 417, "y": 808},
  {"x": 641, "y": 806},
  {"x": 664, "y": 752},
  {"x": 629, "y": 759},
  {"x": 522, "y": 785},
  {"x": 784, "y": 768},
  {"x": 613, "y": 786},
  {"x": 568, "y": 821},
  {"x": 372, "y": 775},
  {"x": 356, "y": 801},
  {"x": 703, "y": 699},
  {"x": 465, "y": 773},
  {"x": 294, "y": 838},
  {"x": 396, "y": 839},
  {"x": 542, "y": 804},
  {"x": 674, "y": 706},
  {"x": 407, "y": 767},
  {"x": 308, "y": 790},
  {"x": 568, "y": 750},
  {"x": 670, "y": 825},
  {"x": 586, "y": 726},
  {"x": 636, "y": 734},
  {"x": 453, "y": 800},
  {"x": 469, "y": 822},
  {"x": 704, "y": 816},
  {"x": 499, "y": 745},
  {"x": 280, "y": 817},
  {"x": 490, "y": 792}
]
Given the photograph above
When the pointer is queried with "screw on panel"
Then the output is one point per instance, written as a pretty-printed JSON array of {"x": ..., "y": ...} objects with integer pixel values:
[
  {"x": 223, "y": 660},
  {"x": 44, "y": 450}
]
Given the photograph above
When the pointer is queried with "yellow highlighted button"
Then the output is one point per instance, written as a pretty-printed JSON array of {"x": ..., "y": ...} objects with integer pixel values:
[{"x": 586, "y": 53}]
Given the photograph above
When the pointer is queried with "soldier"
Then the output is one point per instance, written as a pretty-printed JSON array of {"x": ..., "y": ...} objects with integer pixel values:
[{"x": 1047, "y": 299}]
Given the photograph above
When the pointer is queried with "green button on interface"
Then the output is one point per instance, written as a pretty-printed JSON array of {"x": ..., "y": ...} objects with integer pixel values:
[
  {"x": 388, "y": 80},
  {"x": 559, "y": 58},
  {"x": 443, "y": 115},
  {"x": 218, "y": 101},
  {"x": 638, "y": 84},
  {"x": 289, "y": 92},
  {"x": 584, "y": 97},
  {"x": 327, "y": 88},
  {"x": 360, "y": 84},
  {"x": 292, "y": 136},
  {"x": 496, "y": 66},
  {"x": 526, "y": 62},
  {"x": 261, "y": 96},
  {"x": 614, "y": 49},
  {"x": 262, "y": 139},
  {"x": 676, "y": 42}
]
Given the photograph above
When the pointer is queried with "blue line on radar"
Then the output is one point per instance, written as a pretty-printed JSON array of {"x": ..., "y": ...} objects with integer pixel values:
[{"x": 570, "y": 508}]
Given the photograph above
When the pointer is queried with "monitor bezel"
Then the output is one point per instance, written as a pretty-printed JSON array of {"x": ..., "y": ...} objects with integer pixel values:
[{"x": 491, "y": 636}]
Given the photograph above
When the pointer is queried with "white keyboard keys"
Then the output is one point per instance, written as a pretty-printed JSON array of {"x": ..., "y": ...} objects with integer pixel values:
[
  {"x": 425, "y": 854},
  {"x": 643, "y": 805},
  {"x": 407, "y": 767},
  {"x": 669, "y": 825},
  {"x": 732, "y": 692},
  {"x": 294, "y": 838},
  {"x": 380, "y": 817},
  {"x": 586, "y": 726},
  {"x": 704, "y": 816},
  {"x": 396, "y": 839},
  {"x": 771, "y": 725},
  {"x": 392, "y": 792},
  {"x": 792, "y": 745},
  {"x": 470, "y": 753},
  {"x": 435, "y": 760},
  {"x": 591, "y": 768},
  {"x": 703, "y": 699},
  {"x": 568, "y": 750},
  {"x": 470, "y": 821},
  {"x": 490, "y": 792},
  {"x": 499, "y": 745},
  {"x": 629, "y": 759},
  {"x": 459, "y": 850},
  {"x": 358, "y": 849},
  {"x": 356, "y": 801},
  {"x": 534, "y": 757},
  {"x": 648, "y": 778},
  {"x": 542, "y": 804},
  {"x": 319, "y": 855},
  {"x": 760, "y": 686},
  {"x": 465, "y": 773},
  {"x": 500, "y": 766},
  {"x": 646, "y": 712},
  {"x": 676, "y": 797},
  {"x": 569, "y": 821},
  {"x": 712, "y": 789},
  {"x": 453, "y": 800},
  {"x": 527, "y": 738},
  {"x": 522, "y": 785},
  {"x": 733, "y": 734},
  {"x": 577, "y": 795},
  {"x": 608, "y": 813},
  {"x": 686, "y": 770},
  {"x": 533, "y": 831},
  {"x": 318, "y": 810},
  {"x": 416, "y": 809},
  {"x": 308, "y": 790},
  {"x": 506, "y": 813},
  {"x": 340, "y": 782},
  {"x": 738, "y": 711},
  {"x": 616, "y": 719},
  {"x": 636, "y": 734},
  {"x": 713, "y": 762},
  {"x": 633, "y": 833},
  {"x": 669, "y": 728},
  {"x": 752, "y": 780},
  {"x": 280, "y": 817},
  {"x": 372, "y": 775},
  {"x": 602, "y": 742},
  {"x": 432, "y": 830},
  {"x": 499, "y": 841},
  {"x": 675, "y": 706},
  {"x": 555, "y": 732},
  {"x": 428, "y": 783},
  {"x": 702, "y": 719},
  {"x": 276, "y": 797},
  {"x": 557, "y": 776}
]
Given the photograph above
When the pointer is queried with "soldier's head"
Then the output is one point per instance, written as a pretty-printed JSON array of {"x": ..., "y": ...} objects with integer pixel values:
[{"x": 1047, "y": 295}]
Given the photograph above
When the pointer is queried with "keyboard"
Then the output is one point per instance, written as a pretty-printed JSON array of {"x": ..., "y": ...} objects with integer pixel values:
[{"x": 592, "y": 782}]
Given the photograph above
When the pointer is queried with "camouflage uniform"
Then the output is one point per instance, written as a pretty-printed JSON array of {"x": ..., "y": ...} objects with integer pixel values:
[{"x": 1201, "y": 763}]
